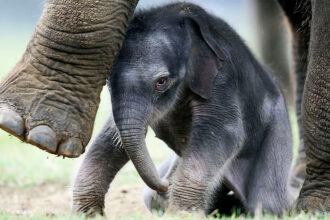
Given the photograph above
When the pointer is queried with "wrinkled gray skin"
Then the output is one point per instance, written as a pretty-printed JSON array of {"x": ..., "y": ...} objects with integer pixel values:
[
  {"x": 220, "y": 112},
  {"x": 315, "y": 109},
  {"x": 51, "y": 96}
]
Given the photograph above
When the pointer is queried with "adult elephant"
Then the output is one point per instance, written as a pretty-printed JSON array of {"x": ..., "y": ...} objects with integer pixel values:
[{"x": 51, "y": 96}]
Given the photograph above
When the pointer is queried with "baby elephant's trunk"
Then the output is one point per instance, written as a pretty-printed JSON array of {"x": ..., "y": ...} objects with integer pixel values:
[{"x": 132, "y": 127}]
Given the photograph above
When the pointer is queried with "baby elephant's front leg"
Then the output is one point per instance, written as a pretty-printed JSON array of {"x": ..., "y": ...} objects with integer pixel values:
[
  {"x": 102, "y": 162},
  {"x": 187, "y": 187}
]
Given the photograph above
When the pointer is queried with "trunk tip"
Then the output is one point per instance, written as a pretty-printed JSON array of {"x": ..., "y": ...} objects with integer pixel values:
[{"x": 164, "y": 186}]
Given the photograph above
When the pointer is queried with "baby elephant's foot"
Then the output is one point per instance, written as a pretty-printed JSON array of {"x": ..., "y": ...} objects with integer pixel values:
[
  {"x": 156, "y": 202},
  {"x": 48, "y": 107},
  {"x": 88, "y": 209}
]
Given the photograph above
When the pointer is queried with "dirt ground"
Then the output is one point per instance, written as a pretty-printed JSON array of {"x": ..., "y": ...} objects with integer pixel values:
[{"x": 54, "y": 198}]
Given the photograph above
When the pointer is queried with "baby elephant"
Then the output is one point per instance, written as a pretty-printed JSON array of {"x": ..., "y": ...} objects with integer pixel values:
[{"x": 190, "y": 77}]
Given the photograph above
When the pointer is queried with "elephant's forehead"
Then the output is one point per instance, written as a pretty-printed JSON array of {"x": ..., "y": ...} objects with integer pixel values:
[
  {"x": 151, "y": 46},
  {"x": 147, "y": 54},
  {"x": 146, "y": 57},
  {"x": 158, "y": 40}
]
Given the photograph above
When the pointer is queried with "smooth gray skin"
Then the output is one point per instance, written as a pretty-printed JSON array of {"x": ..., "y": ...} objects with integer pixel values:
[{"x": 202, "y": 116}]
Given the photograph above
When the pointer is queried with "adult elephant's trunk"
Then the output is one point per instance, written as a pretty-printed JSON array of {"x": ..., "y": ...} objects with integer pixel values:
[{"x": 131, "y": 122}]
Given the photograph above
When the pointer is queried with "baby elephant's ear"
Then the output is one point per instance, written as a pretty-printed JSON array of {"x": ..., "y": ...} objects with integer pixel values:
[{"x": 205, "y": 56}]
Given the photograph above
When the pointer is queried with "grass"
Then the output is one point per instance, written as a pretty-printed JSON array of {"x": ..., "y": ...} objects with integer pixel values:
[{"x": 301, "y": 216}]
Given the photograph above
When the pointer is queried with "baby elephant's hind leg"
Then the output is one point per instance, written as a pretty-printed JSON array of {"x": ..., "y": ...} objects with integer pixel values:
[{"x": 158, "y": 201}]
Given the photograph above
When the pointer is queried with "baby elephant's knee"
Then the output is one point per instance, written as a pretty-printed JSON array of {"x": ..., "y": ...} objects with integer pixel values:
[{"x": 155, "y": 201}]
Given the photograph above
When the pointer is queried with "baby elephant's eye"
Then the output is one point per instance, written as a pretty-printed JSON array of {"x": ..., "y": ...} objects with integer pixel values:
[{"x": 161, "y": 84}]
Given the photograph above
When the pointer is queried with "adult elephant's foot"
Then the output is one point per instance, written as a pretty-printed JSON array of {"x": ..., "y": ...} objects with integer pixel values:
[
  {"x": 315, "y": 192},
  {"x": 51, "y": 97},
  {"x": 314, "y": 197},
  {"x": 314, "y": 204},
  {"x": 47, "y": 107}
]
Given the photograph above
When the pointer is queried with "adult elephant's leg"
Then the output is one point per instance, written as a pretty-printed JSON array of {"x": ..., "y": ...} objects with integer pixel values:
[
  {"x": 51, "y": 97},
  {"x": 315, "y": 194},
  {"x": 101, "y": 164}
]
